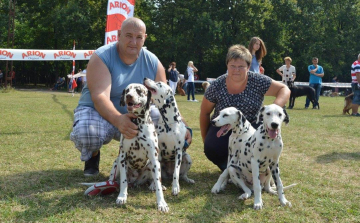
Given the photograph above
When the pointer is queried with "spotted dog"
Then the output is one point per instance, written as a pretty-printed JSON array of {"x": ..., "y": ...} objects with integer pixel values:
[
  {"x": 231, "y": 119},
  {"x": 175, "y": 162},
  {"x": 141, "y": 151},
  {"x": 257, "y": 159}
]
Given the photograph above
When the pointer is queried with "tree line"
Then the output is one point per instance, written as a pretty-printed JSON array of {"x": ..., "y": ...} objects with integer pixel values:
[{"x": 196, "y": 30}]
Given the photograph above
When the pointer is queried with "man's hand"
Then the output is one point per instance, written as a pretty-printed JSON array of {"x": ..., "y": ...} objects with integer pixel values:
[
  {"x": 188, "y": 137},
  {"x": 127, "y": 128}
]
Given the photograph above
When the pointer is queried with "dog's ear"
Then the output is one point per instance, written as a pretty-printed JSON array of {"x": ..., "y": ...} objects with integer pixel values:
[
  {"x": 147, "y": 106},
  {"x": 122, "y": 99},
  {"x": 260, "y": 115},
  {"x": 287, "y": 118}
]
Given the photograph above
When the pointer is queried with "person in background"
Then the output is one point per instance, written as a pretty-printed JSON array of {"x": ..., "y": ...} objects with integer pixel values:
[
  {"x": 190, "y": 81},
  {"x": 316, "y": 74},
  {"x": 79, "y": 82},
  {"x": 1, "y": 76},
  {"x": 99, "y": 118},
  {"x": 258, "y": 51},
  {"x": 173, "y": 76},
  {"x": 239, "y": 88},
  {"x": 287, "y": 71},
  {"x": 355, "y": 77}
]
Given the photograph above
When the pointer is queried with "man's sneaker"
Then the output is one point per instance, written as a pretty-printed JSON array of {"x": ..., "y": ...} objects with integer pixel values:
[
  {"x": 102, "y": 188},
  {"x": 195, "y": 100},
  {"x": 357, "y": 114},
  {"x": 92, "y": 166}
]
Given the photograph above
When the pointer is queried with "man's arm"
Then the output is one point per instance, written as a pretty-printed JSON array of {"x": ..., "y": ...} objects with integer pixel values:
[{"x": 99, "y": 84}]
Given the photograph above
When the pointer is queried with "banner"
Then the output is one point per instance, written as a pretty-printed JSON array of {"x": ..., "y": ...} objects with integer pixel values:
[
  {"x": 117, "y": 12},
  {"x": 41, "y": 55}
]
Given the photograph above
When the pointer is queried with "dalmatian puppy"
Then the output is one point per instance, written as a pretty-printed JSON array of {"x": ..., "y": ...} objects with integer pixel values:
[
  {"x": 141, "y": 151},
  {"x": 257, "y": 159},
  {"x": 175, "y": 162}
]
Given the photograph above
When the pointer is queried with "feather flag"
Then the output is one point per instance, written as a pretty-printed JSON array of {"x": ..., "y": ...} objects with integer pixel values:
[{"x": 117, "y": 12}]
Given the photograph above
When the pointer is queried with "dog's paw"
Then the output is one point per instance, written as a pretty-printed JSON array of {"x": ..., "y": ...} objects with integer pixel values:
[
  {"x": 121, "y": 200},
  {"x": 152, "y": 187},
  {"x": 175, "y": 190},
  {"x": 188, "y": 180},
  {"x": 244, "y": 196},
  {"x": 285, "y": 202},
  {"x": 163, "y": 207},
  {"x": 215, "y": 189},
  {"x": 258, "y": 205}
]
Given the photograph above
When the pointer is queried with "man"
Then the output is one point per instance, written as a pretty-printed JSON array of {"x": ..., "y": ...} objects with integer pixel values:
[
  {"x": 287, "y": 71},
  {"x": 173, "y": 76},
  {"x": 316, "y": 74},
  {"x": 355, "y": 77},
  {"x": 99, "y": 118}
]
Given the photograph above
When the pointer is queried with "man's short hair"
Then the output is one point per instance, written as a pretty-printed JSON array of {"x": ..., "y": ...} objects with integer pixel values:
[{"x": 314, "y": 58}]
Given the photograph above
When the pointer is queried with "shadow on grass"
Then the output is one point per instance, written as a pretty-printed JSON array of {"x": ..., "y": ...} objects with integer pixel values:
[
  {"x": 334, "y": 156},
  {"x": 44, "y": 194},
  {"x": 66, "y": 110}
]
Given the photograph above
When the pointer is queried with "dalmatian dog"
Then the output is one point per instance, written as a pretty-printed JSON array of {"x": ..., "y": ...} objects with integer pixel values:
[
  {"x": 141, "y": 151},
  {"x": 256, "y": 161},
  {"x": 175, "y": 162}
]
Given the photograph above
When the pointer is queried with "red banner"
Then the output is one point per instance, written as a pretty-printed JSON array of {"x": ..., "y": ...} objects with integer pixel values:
[{"x": 117, "y": 12}]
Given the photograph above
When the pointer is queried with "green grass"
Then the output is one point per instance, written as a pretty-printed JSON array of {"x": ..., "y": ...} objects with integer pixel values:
[{"x": 40, "y": 169}]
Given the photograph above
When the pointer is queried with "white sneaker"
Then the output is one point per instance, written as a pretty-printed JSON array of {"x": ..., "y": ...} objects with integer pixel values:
[{"x": 195, "y": 100}]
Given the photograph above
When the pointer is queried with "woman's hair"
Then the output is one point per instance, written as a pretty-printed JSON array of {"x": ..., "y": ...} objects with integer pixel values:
[
  {"x": 173, "y": 63},
  {"x": 238, "y": 52},
  {"x": 261, "y": 52},
  {"x": 288, "y": 58},
  {"x": 190, "y": 63}
]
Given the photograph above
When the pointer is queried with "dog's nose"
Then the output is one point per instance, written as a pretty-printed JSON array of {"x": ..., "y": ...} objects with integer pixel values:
[
  {"x": 129, "y": 97},
  {"x": 274, "y": 125},
  {"x": 212, "y": 122}
]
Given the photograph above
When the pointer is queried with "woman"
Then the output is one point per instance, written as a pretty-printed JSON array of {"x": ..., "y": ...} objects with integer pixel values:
[
  {"x": 173, "y": 76},
  {"x": 239, "y": 88},
  {"x": 258, "y": 51},
  {"x": 287, "y": 71},
  {"x": 191, "y": 86}
]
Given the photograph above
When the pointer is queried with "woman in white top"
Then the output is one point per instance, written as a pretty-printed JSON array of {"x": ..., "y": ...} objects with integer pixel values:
[
  {"x": 191, "y": 86},
  {"x": 287, "y": 71}
]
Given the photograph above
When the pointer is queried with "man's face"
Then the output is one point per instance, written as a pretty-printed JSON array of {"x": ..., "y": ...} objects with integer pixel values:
[
  {"x": 315, "y": 61},
  {"x": 131, "y": 39}
]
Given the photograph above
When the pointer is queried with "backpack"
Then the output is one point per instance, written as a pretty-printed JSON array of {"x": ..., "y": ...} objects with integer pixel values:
[{"x": 186, "y": 75}]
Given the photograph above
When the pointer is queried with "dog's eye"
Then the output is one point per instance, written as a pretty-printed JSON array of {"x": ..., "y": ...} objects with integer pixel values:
[
  {"x": 138, "y": 91},
  {"x": 225, "y": 115},
  {"x": 280, "y": 114},
  {"x": 268, "y": 113}
]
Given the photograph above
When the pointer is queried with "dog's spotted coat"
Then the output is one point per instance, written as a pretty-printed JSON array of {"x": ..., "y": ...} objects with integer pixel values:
[
  {"x": 175, "y": 162},
  {"x": 141, "y": 152},
  {"x": 253, "y": 154}
]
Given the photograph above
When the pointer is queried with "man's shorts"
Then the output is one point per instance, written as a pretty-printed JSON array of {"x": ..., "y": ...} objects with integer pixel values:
[
  {"x": 91, "y": 131},
  {"x": 356, "y": 89}
]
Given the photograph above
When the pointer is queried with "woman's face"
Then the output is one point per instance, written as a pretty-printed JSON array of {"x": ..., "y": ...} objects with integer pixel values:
[
  {"x": 237, "y": 68},
  {"x": 256, "y": 45}
]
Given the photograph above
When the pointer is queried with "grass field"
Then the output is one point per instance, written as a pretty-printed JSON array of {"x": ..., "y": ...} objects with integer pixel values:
[{"x": 40, "y": 169}]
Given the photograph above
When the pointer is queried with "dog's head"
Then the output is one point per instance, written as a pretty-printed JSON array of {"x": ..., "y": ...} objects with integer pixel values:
[
  {"x": 228, "y": 118},
  {"x": 137, "y": 98},
  {"x": 272, "y": 116},
  {"x": 160, "y": 92},
  {"x": 290, "y": 84}
]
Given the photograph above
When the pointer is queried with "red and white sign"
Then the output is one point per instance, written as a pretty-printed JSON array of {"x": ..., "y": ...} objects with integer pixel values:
[
  {"x": 117, "y": 12},
  {"x": 40, "y": 55}
]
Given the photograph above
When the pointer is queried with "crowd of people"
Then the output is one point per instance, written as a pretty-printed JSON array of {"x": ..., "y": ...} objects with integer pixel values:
[{"x": 99, "y": 118}]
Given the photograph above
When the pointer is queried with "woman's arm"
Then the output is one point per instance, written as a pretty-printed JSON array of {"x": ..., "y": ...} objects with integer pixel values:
[
  {"x": 206, "y": 108},
  {"x": 280, "y": 91}
]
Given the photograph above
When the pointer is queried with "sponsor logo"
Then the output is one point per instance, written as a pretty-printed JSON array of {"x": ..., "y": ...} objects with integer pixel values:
[
  {"x": 88, "y": 54},
  {"x": 110, "y": 39},
  {"x": 64, "y": 54},
  {"x": 120, "y": 5},
  {"x": 33, "y": 54},
  {"x": 6, "y": 54}
]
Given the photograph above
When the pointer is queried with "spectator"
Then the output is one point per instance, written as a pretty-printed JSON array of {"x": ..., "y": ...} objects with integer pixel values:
[
  {"x": 287, "y": 71},
  {"x": 239, "y": 88},
  {"x": 60, "y": 82},
  {"x": 79, "y": 82},
  {"x": 316, "y": 74},
  {"x": 258, "y": 51},
  {"x": 84, "y": 78},
  {"x": 1, "y": 76},
  {"x": 355, "y": 77},
  {"x": 190, "y": 81},
  {"x": 99, "y": 118},
  {"x": 335, "y": 80},
  {"x": 173, "y": 76}
]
